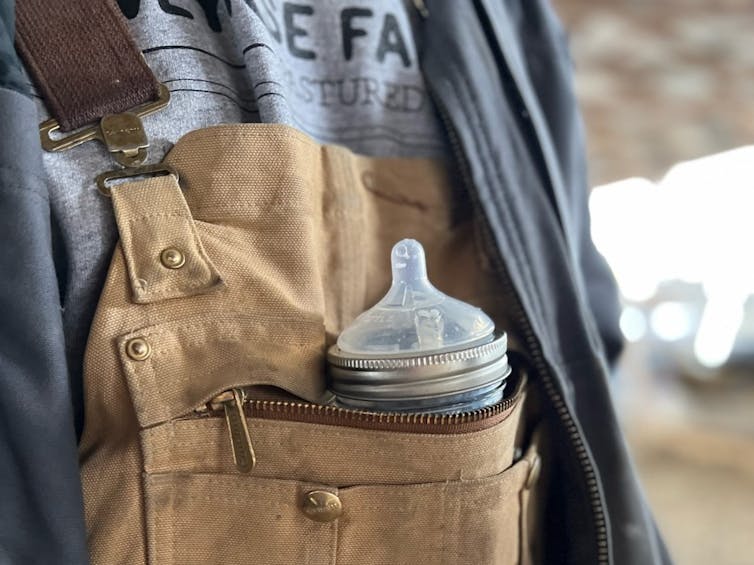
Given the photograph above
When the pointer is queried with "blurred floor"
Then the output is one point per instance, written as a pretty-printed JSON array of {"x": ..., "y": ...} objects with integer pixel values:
[
  {"x": 660, "y": 83},
  {"x": 703, "y": 505},
  {"x": 693, "y": 443}
]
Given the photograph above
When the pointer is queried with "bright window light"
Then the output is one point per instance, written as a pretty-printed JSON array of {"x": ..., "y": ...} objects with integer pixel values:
[
  {"x": 717, "y": 332},
  {"x": 671, "y": 321},
  {"x": 633, "y": 323}
]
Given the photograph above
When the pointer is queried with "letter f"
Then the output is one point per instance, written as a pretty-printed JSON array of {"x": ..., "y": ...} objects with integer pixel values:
[{"x": 349, "y": 33}]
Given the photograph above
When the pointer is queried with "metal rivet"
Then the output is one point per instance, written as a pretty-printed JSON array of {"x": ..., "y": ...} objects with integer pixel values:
[
  {"x": 322, "y": 506},
  {"x": 535, "y": 468},
  {"x": 138, "y": 349},
  {"x": 172, "y": 258}
]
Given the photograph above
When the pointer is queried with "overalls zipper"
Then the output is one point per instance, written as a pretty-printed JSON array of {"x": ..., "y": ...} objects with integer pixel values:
[{"x": 236, "y": 406}]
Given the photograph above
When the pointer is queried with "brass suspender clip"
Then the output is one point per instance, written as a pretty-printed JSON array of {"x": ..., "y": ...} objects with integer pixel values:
[{"x": 123, "y": 134}]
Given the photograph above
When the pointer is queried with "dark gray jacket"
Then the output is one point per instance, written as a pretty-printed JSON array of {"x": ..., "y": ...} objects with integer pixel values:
[{"x": 500, "y": 73}]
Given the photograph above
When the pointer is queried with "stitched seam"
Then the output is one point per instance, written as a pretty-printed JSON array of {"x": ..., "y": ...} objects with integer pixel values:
[
  {"x": 198, "y": 325},
  {"x": 160, "y": 215},
  {"x": 395, "y": 438},
  {"x": 280, "y": 131},
  {"x": 177, "y": 287}
]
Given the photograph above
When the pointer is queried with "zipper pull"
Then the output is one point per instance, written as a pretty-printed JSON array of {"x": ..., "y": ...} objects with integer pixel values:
[
  {"x": 232, "y": 402},
  {"x": 421, "y": 7}
]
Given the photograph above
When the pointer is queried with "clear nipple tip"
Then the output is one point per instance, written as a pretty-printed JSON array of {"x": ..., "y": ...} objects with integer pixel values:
[{"x": 414, "y": 317}]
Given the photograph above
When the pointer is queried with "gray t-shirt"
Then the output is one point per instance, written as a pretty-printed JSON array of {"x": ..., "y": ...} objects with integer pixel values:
[{"x": 342, "y": 71}]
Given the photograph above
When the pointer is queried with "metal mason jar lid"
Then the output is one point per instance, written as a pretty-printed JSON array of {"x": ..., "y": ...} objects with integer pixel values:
[{"x": 418, "y": 377}]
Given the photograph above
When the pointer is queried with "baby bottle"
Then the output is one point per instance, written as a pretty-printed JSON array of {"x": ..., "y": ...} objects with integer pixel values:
[{"x": 417, "y": 349}]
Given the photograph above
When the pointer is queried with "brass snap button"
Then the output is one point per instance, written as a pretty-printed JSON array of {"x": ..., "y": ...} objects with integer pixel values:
[
  {"x": 535, "y": 468},
  {"x": 172, "y": 258},
  {"x": 322, "y": 506},
  {"x": 138, "y": 349}
]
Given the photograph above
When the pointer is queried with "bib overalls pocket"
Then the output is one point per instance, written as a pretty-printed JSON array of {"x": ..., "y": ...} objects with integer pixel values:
[{"x": 208, "y": 437}]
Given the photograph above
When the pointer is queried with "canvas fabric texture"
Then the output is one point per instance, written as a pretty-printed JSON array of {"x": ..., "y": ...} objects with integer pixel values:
[{"x": 281, "y": 254}]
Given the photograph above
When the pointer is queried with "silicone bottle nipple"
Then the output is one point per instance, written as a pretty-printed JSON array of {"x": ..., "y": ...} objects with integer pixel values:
[{"x": 414, "y": 317}]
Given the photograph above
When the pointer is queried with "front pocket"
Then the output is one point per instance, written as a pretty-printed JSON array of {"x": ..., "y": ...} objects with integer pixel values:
[
  {"x": 411, "y": 488},
  {"x": 239, "y": 519}
]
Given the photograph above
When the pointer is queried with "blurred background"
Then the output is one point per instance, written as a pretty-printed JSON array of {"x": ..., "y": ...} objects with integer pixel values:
[{"x": 667, "y": 91}]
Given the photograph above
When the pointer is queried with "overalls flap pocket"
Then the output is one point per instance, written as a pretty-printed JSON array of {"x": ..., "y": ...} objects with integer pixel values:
[{"x": 175, "y": 367}]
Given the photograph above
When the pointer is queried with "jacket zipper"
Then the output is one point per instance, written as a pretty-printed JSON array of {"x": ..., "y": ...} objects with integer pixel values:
[
  {"x": 533, "y": 348},
  {"x": 421, "y": 8},
  {"x": 236, "y": 405}
]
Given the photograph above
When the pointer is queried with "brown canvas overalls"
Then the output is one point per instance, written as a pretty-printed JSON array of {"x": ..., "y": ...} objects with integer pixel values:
[{"x": 223, "y": 293}]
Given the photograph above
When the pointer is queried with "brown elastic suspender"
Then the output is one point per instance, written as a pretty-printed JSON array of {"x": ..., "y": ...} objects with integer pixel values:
[{"x": 91, "y": 73}]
